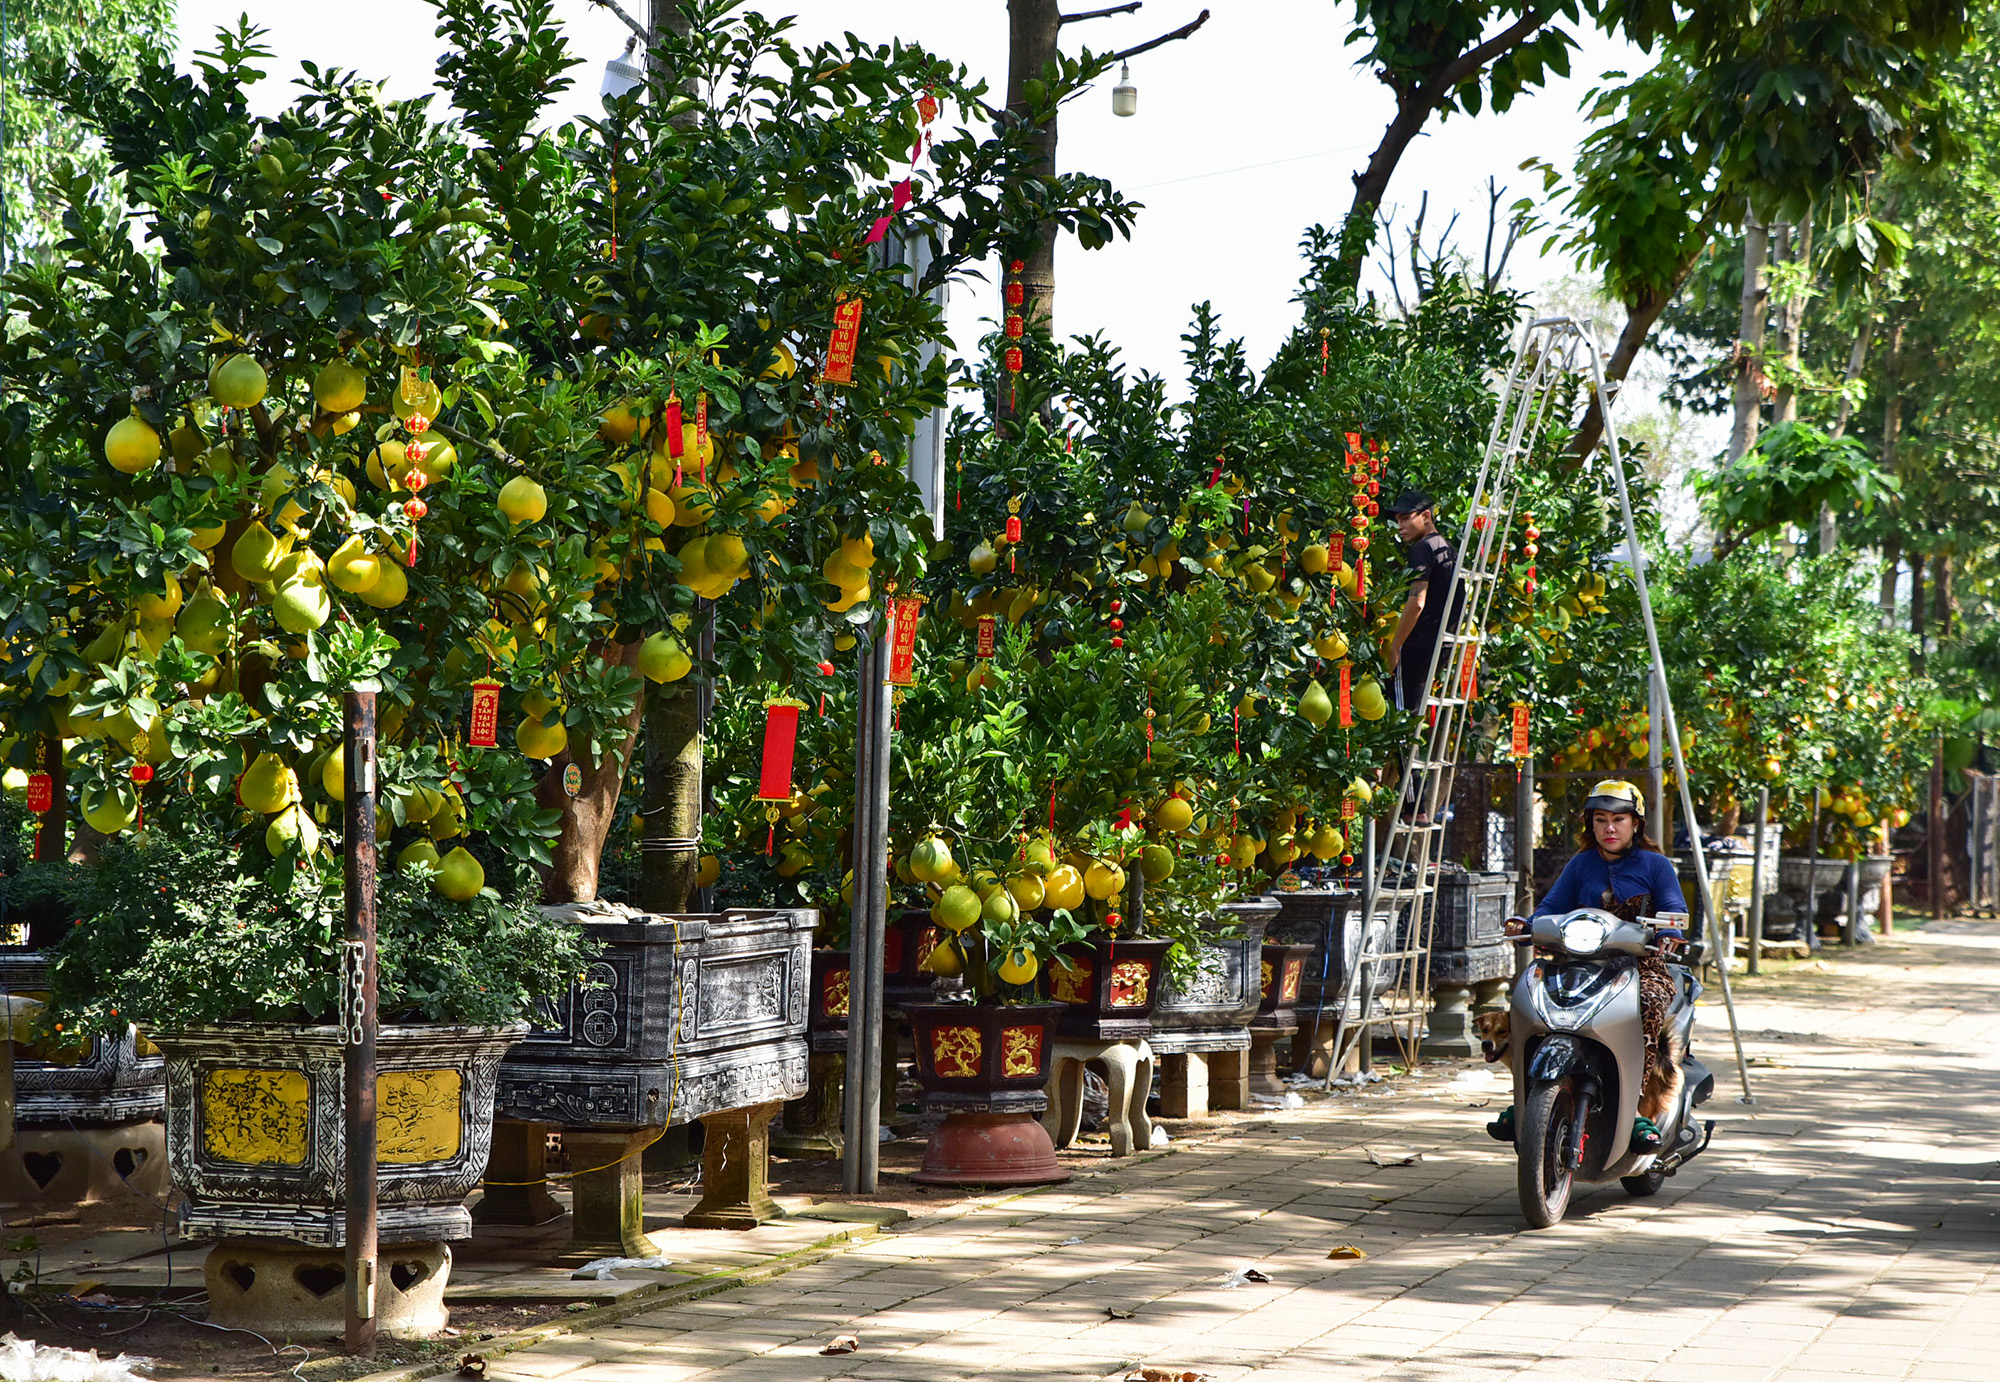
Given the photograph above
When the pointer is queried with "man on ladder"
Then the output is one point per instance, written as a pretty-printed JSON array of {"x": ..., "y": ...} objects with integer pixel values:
[{"x": 1433, "y": 563}]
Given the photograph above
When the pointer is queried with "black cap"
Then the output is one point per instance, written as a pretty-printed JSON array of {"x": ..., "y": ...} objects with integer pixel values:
[{"x": 1411, "y": 501}]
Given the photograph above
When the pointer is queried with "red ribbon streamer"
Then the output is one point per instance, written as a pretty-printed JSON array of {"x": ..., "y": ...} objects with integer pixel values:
[{"x": 781, "y": 735}]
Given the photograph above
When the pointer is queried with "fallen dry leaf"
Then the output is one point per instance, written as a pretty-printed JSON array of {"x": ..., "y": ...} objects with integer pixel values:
[
  {"x": 1252, "y": 1274},
  {"x": 472, "y": 1365},
  {"x": 841, "y": 1343},
  {"x": 1410, "y": 1159},
  {"x": 1346, "y": 1250}
]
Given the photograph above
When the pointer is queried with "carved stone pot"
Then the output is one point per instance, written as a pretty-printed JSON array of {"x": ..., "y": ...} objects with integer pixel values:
[
  {"x": 1108, "y": 989},
  {"x": 986, "y": 1067},
  {"x": 86, "y": 1114},
  {"x": 1281, "y": 975},
  {"x": 907, "y": 944},
  {"x": 256, "y": 1142},
  {"x": 1212, "y": 1011}
]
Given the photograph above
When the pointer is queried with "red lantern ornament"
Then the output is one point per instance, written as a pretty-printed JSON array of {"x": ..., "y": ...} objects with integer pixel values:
[
  {"x": 1016, "y": 294},
  {"x": 1013, "y": 359},
  {"x": 416, "y": 424},
  {"x": 142, "y": 773},
  {"x": 416, "y": 509},
  {"x": 1015, "y": 328},
  {"x": 1117, "y": 642}
]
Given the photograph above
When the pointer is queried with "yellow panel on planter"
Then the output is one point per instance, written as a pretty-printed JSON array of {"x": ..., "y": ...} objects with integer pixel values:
[
  {"x": 955, "y": 1052},
  {"x": 255, "y": 1117},
  {"x": 417, "y": 1116},
  {"x": 1021, "y": 1052},
  {"x": 1130, "y": 982},
  {"x": 1069, "y": 982}
]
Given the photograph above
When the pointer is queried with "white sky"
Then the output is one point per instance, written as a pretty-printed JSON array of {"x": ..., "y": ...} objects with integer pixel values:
[{"x": 1265, "y": 82}]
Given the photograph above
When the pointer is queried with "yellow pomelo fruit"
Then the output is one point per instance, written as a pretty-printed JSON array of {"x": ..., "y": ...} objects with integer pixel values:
[
  {"x": 421, "y": 804},
  {"x": 388, "y": 464},
  {"x": 1156, "y": 863},
  {"x": 1313, "y": 560},
  {"x": 163, "y": 606},
  {"x": 707, "y": 871},
  {"x": 1000, "y": 908},
  {"x": 541, "y": 738},
  {"x": 660, "y": 507},
  {"x": 238, "y": 382},
  {"x": 256, "y": 553},
  {"x": 339, "y": 387},
  {"x": 858, "y": 552},
  {"x": 132, "y": 445},
  {"x": 1173, "y": 815},
  {"x": 449, "y": 821},
  {"x": 618, "y": 425},
  {"x": 523, "y": 501},
  {"x": 1028, "y": 891},
  {"x": 333, "y": 772},
  {"x": 1330, "y": 646},
  {"x": 945, "y": 958},
  {"x": 353, "y": 568},
  {"x": 111, "y": 810},
  {"x": 1315, "y": 706},
  {"x": 1065, "y": 888},
  {"x": 301, "y": 606},
  {"x": 419, "y": 852},
  {"x": 1102, "y": 880},
  {"x": 206, "y": 536},
  {"x": 931, "y": 861},
  {"x": 727, "y": 556},
  {"x": 203, "y": 624},
  {"x": 663, "y": 658},
  {"x": 1019, "y": 967},
  {"x": 459, "y": 876},
  {"x": 1040, "y": 857},
  {"x": 389, "y": 588},
  {"x": 692, "y": 505},
  {"x": 1367, "y": 699},
  {"x": 983, "y": 560},
  {"x": 1360, "y": 791},
  {"x": 959, "y": 908},
  {"x": 268, "y": 786},
  {"x": 291, "y": 829}
]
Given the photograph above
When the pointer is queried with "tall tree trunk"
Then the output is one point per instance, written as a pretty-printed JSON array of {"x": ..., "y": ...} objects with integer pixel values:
[
  {"x": 587, "y": 816},
  {"x": 672, "y": 800},
  {"x": 1857, "y": 360},
  {"x": 1032, "y": 26},
  {"x": 1892, "y": 430},
  {"x": 1791, "y": 322},
  {"x": 1892, "y": 562},
  {"x": 1754, "y": 313},
  {"x": 1944, "y": 600}
]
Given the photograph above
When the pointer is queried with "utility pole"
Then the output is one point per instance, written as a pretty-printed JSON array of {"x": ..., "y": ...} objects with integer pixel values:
[{"x": 359, "y": 1018}]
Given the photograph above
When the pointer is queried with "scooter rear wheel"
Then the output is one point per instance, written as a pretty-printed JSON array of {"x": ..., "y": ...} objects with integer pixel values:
[{"x": 1544, "y": 1182}]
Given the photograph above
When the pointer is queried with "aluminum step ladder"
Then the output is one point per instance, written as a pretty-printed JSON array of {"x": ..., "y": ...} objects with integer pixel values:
[{"x": 1556, "y": 356}]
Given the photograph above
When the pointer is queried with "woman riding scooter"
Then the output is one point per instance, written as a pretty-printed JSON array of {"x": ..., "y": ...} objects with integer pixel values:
[{"x": 1621, "y": 869}]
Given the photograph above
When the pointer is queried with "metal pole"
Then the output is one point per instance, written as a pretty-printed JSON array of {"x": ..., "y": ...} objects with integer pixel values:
[
  {"x": 861, "y": 1115},
  {"x": 1934, "y": 835},
  {"x": 1811, "y": 928},
  {"x": 1656, "y": 786},
  {"x": 1757, "y": 880},
  {"x": 358, "y": 1017},
  {"x": 1851, "y": 931},
  {"x": 1666, "y": 700},
  {"x": 1524, "y": 835},
  {"x": 1369, "y": 892}
]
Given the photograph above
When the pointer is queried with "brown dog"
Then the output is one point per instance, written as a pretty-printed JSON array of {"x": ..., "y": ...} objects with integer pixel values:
[{"x": 1496, "y": 1033}]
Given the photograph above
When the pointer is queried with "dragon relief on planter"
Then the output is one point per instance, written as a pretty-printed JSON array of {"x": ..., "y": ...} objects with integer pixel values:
[{"x": 1021, "y": 1052}]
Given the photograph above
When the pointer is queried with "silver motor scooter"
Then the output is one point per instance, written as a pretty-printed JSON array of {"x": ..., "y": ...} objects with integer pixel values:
[{"x": 1578, "y": 1052}]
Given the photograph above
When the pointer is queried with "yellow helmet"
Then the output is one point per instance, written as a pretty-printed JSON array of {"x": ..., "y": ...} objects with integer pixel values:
[{"x": 1615, "y": 794}]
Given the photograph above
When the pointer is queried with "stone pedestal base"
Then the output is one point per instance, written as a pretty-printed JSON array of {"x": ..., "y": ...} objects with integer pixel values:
[
  {"x": 82, "y": 1165},
  {"x": 279, "y": 1288},
  {"x": 1128, "y": 1067},
  {"x": 1490, "y": 995},
  {"x": 516, "y": 1189},
  {"x": 735, "y": 1170},
  {"x": 606, "y": 1209},
  {"x": 812, "y": 1124},
  {"x": 1229, "y": 1078},
  {"x": 1184, "y": 1085},
  {"x": 990, "y": 1149},
  {"x": 1312, "y": 1048},
  {"x": 1450, "y": 1028},
  {"x": 1265, "y": 1082}
]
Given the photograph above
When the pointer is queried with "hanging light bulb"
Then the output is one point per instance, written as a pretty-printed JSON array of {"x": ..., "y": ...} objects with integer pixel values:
[
  {"x": 1124, "y": 96},
  {"x": 621, "y": 74}
]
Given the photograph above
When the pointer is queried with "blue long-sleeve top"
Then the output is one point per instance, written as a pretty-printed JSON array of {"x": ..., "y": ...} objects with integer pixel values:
[{"x": 1585, "y": 878}]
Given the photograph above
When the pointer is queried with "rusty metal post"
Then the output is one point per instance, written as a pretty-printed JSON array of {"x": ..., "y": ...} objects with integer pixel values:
[
  {"x": 1934, "y": 833},
  {"x": 359, "y": 1019}
]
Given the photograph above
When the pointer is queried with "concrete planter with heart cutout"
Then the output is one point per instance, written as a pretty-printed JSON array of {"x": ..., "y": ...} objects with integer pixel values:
[
  {"x": 257, "y": 1148},
  {"x": 86, "y": 1114}
]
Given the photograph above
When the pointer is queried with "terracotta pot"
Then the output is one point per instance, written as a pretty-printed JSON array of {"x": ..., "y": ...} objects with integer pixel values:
[{"x": 1109, "y": 989}]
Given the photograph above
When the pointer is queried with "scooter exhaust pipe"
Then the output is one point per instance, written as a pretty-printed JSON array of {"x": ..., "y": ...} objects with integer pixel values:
[{"x": 1673, "y": 1163}]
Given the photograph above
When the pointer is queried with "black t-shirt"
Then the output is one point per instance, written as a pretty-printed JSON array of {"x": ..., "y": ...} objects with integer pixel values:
[{"x": 1433, "y": 561}]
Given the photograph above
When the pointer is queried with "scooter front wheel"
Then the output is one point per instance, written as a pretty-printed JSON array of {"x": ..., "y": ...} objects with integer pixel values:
[{"x": 1548, "y": 1116}]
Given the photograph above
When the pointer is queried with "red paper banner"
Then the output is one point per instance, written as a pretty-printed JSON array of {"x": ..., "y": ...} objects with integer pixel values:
[
  {"x": 701, "y": 433},
  {"x": 987, "y": 625},
  {"x": 1520, "y": 746},
  {"x": 41, "y": 792},
  {"x": 903, "y": 613},
  {"x": 846, "y": 335},
  {"x": 781, "y": 738},
  {"x": 676, "y": 443},
  {"x": 482, "y": 727},
  {"x": 1346, "y": 695},
  {"x": 1347, "y": 808}
]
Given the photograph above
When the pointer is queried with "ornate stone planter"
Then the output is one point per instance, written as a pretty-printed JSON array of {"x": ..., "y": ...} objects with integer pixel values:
[
  {"x": 256, "y": 1144},
  {"x": 1470, "y": 957},
  {"x": 908, "y": 943},
  {"x": 681, "y": 1018},
  {"x": 1201, "y": 1031},
  {"x": 1785, "y": 913},
  {"x": 1328, "y": 919},
  {"x": 1282, "y": 970},
  {"x": 985, "y": 1067},
  {"x": 1109, "y": 989},
  {"x": 87, "y": 1115}
]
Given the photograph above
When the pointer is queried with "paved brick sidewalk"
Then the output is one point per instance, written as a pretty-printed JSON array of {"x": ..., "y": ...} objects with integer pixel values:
[{"x": 1846, "y": 1226}]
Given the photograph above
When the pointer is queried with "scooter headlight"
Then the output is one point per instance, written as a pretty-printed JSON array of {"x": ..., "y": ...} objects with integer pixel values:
[{"x": 1584, "y": 935}]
